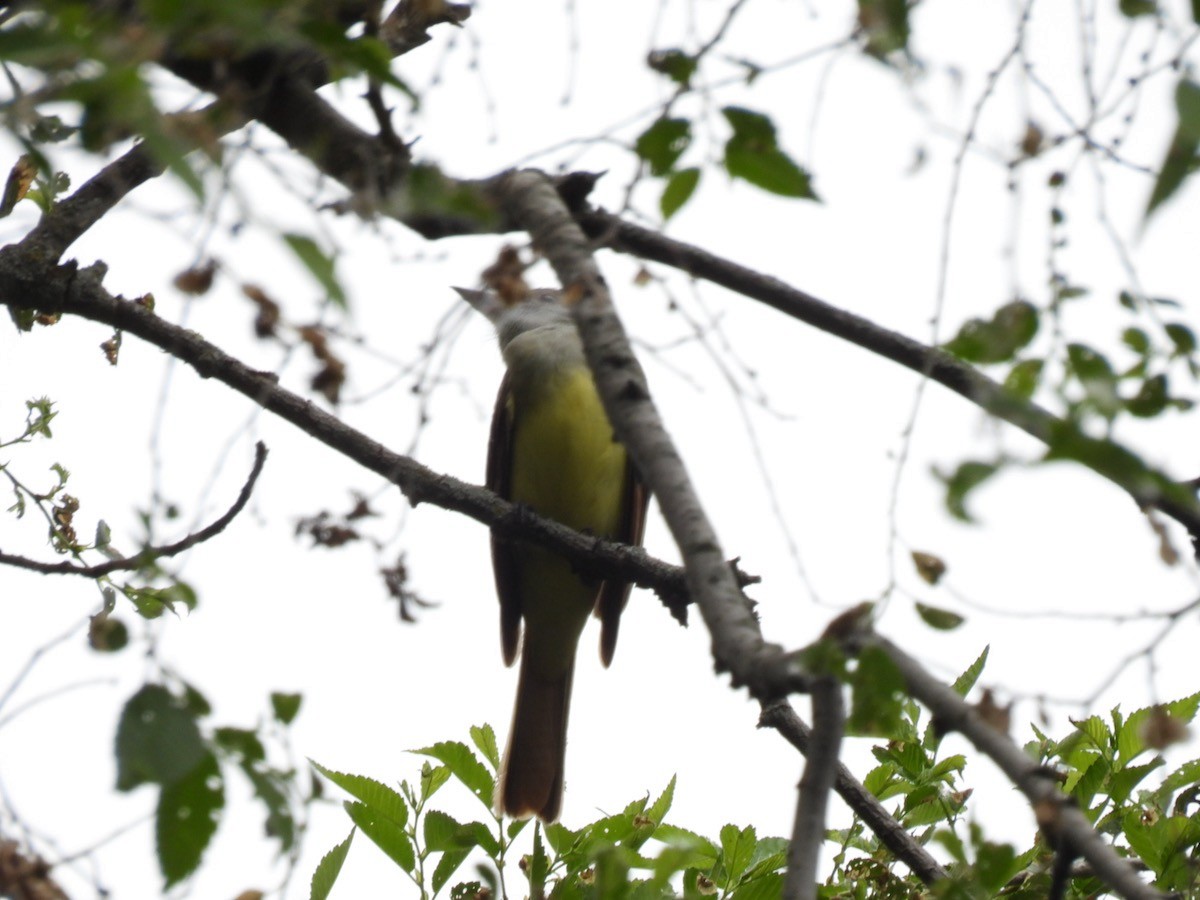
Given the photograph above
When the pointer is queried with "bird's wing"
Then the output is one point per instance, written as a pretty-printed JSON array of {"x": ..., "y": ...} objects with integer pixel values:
[
  {"x": 615, "y": 594},
  {"x": 499, "y": 479}
]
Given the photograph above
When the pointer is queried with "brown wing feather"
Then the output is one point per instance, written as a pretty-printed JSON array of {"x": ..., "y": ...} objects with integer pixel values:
[
  {"x": 615, "y": 594},
  {"x": 499, "y": 479}
]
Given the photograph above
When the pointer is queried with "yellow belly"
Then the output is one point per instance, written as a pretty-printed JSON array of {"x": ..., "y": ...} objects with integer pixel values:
[
  {"x": 567, "y": 467},
  {"x": 565, "y": 462}
]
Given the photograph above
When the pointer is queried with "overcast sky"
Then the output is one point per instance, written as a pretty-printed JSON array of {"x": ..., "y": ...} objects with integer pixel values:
[{"x": 792, "y": 437}]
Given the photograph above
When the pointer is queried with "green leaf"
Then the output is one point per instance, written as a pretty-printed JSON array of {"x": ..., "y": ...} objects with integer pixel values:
[
  {"x": 320, "y": 266},
  {"x": 997, "y": 339},
  {"x": 1023, "y": 378},
  {"x": 885, "y": 23},
  {"x": 373, "y": 794},
  {"x": 737, "y": 849},
  {"x": 876, "y": 691},
  {"x": 1136, "y": 340},
  {"x": 1133, "y": 8},
  {"x": 1180, "y": 161},
  {"x": 771, "y": 170},
  {"x": 242, "y": 741},
  {"x": 959, "y": 483},
  {"x": 385, "y": 833},
  {"x": 285, "y": 706},
  {"x": 663, "y": 143},
  {"x": 328, "y": 869},
  {"x": 752, "y": 153},
  {"x": 1151, "y": 398},
  {"x": 484, "y": 739},
  {"x": 157, "y": 740},
  {"x": 465, "y": 766},
  {"x": 1182, "y": 337},
  {"x": 963, "y": 684},
  {"x": 270, "y": 786},
  {"x": 186, "y": 819},
  {"x": 432, "y": 778},
  {"x": 178, "y": 592},
  {"x": 995, "y": 865},
  {"x": 1122, "y": 783},
  {"x": 447, "y": 866},
  {"x": 674, "y": 63},
  {"x": 443, "y": 832},
  {"x": 765, "y": 887},
  {"x": 941, "y": 619},
  {"x": 677, "y": 191}
]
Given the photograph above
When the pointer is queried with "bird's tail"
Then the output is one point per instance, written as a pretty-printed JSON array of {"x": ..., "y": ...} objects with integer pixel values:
[{"x": 531, "y": 775}]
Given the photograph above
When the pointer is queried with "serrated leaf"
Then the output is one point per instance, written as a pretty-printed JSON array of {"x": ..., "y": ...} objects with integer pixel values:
[
  {"x": 484, "y": 739},
  {"x": 385, "y": 833},
  {"x": 465, "y": 766},
  {"x": 737, "y": 849},
  {"x": 157, "y": 739},
  {"x": 432, "y": 778},
  {"x": 327, "y": 870},
  {"x": 186, "y": 818},
  {"x": 320, "y": 266},
  {"x": 373, "y": 794},
  {"x": 677, "y": 191},
  {"x": 963, "y": 684},
  {"x": 936, "y": 617}
]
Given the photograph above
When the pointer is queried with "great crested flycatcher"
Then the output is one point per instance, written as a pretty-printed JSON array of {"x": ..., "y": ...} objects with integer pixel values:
[{"x": 552, "y": 449}]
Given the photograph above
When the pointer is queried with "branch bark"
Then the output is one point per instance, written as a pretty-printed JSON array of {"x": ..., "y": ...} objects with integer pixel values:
[{"x": 820, "y": 772}]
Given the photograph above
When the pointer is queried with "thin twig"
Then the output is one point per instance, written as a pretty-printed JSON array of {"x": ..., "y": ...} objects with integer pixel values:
[
  {"x": 780, "y": 716},
  {"x": 137, "y": 561}
]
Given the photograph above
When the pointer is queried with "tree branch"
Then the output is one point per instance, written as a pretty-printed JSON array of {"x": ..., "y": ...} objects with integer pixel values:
[
  {"x": 780, "y": 716},
  {"x": 26, "y": 285},
  {"x": 1056, "y": 813},
  {"x": 820, "y": 772},
  {"x": 147, "y": 554},
  {"x": 738, "y": 647},
  {"x": 931, "y": 362}
]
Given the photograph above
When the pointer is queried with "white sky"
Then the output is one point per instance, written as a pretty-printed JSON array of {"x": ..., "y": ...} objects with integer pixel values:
[{"x": 275, "y": 615}]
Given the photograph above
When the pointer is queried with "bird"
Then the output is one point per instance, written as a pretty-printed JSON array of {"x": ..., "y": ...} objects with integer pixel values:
[{"x": 551, "y": 449}]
